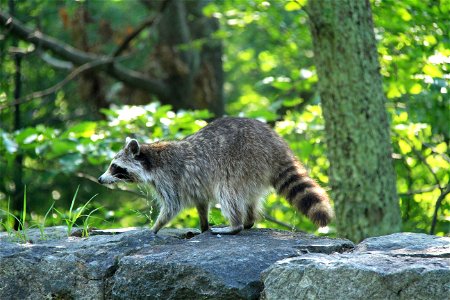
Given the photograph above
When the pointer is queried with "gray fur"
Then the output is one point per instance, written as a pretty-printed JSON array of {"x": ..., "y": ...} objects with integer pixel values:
[{"x": 231, "y": 161}]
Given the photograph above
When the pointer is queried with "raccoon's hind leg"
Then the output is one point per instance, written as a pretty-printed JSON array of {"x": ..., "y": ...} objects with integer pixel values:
[
  {"x": 203, "y": 210},
  {"x": 251, "y": 214},
  {"x": 233, "y": 211}
]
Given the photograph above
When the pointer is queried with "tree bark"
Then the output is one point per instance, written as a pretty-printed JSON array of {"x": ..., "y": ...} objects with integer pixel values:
[
  {"x": 362, "y": 176},
  {"x": 188, "y": 58}
]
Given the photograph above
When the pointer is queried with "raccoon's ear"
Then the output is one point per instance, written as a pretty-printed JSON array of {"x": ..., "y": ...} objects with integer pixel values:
[{"x": 132, "y": 146}]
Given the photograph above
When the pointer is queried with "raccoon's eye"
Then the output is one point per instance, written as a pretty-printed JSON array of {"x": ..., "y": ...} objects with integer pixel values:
[
  {"x": 113, "y": 168},
  {"x": 119, "y": 172}
]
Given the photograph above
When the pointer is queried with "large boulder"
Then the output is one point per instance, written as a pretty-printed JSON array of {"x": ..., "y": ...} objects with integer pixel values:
[
  {"x": 136, "y": 264},
  {"x": 397, "y": 266}
]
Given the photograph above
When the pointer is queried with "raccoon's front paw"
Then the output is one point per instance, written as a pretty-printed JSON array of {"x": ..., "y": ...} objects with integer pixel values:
[{"x": 227, "y": 230}]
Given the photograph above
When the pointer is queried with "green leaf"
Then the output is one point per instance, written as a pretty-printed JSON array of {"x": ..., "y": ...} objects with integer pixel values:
[
  {"x": 404, "y": 146},
  {"x": 292, "y": 102},
  {"x": 24, "y": 134},
  {"x": 432, "y": 71},
  {"x": 415, "y": 89},
  {"x": 404, "y": 14},
  {"x": 441, "y": 148},
  {"x": 282, "y": 85},
  {"x": 294, "y": 5},
  {"x": 83, "y": 129},
  {"x": 61, "y": 147}
]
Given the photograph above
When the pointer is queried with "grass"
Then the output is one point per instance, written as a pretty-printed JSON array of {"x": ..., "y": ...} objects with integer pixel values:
[
  {"x": 86, "y": 225},
  {"x": 22, "y": 233},
  {"x": 71, "y": 218},
  {"x": 41, "y": 225},
  {"x": 74, "y": 215}
]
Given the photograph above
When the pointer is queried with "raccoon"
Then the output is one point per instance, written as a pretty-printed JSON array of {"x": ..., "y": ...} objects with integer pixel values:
[{"x": 231, "y": 161}]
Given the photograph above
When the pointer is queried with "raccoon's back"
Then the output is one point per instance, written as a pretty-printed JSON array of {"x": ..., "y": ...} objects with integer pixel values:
[
  {"x": 239, "y": 152},
  {"x": 239, "y": 142},
  {"x": 232, "y": 136}
]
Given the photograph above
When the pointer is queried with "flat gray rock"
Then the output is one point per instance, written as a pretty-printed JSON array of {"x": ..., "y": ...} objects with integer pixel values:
[
  {"x": 136, "y": 264},
  {"x": 407, "y": 244},
  {"x": 397, "y": 266}
]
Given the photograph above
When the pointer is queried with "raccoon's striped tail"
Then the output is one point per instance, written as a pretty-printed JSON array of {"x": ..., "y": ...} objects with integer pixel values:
[{"x": 304, "y": 193}]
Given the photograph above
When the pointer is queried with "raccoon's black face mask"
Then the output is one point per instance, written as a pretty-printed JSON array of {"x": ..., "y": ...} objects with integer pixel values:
[
  {"x": 124, "y": 167},
  {"x": 120, "y": 173}
]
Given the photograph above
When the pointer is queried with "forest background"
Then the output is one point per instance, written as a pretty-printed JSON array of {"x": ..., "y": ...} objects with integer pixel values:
[{"x": 162, "y": 69}]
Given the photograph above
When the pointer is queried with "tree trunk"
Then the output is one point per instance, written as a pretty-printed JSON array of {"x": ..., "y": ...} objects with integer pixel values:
[
  {"x": 90, "y": 84},
  {"x": 362, "y": 176},
  {"x": 187, "y": 57}
]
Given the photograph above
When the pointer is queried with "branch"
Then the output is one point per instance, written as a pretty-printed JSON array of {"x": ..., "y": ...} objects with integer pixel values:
[
  {"x": 422, "y": 159},
  {"x": 422, "y": 191},
  {"x": 443, "y": 155},
  {"x": 59, "y": 85},
  {"x": 147, "y": 23},
  {"x": 54, "y": 62},
  {"x": 438, "y": 205},
  {"x": 77, "y": 57},
  {"x": 286, "y": 225},
  {"x": 444, "y": 190},
  {"x": 40, "y": 40}
]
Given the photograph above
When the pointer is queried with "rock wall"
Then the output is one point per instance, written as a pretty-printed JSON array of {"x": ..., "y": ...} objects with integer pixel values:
[{"x": 258, "y": 263}]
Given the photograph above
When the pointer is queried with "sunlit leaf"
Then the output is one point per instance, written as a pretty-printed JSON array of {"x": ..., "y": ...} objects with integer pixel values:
[
  {"x": 406, "y": 16},
  {"x": 432, "y": 71},
  {"x": 415, "y": 89},
  {"x": 292, "y": 102},
  {"x": 294, "y": 5},
  {"x": 404, "y": 146},
  {"x": 83, "y": 129},
  {"x": 441, "y": 148}
]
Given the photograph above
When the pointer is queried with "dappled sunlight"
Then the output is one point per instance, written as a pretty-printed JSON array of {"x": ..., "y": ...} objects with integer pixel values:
[{"x": 96, "y": 74}]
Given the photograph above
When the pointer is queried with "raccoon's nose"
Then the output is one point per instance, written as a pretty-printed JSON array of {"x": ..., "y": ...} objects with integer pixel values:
[{"x": 100, "y": 180}]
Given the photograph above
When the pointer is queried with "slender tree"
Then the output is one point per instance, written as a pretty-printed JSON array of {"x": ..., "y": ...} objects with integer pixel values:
[{"x": 362, "y": 176}]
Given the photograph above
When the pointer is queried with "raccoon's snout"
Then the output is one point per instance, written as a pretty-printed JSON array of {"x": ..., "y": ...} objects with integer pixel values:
[
  {"x": 101, "y": 180},
  {"x": 105, "y": 179}
]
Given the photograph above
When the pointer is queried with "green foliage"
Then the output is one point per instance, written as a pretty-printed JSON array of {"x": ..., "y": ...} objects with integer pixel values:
[
  {"x": 270, "y": 75},
  {"x": 84, "y": 150}
]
